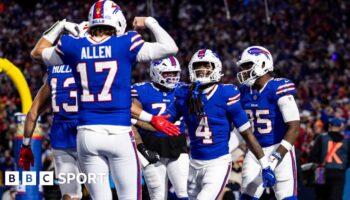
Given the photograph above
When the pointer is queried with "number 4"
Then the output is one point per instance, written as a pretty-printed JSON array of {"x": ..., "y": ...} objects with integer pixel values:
[{"x": 204, "y": 132}]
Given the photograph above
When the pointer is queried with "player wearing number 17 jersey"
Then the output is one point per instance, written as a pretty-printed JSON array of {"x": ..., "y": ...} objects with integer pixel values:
[
  {"x": 271, "y": 107},
  {"x": 101, "y": 64},
  {"x": 209, "y": 108}
]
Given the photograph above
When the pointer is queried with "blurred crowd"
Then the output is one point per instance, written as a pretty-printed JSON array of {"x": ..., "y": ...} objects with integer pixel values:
[{"x": 309, "y": 40}]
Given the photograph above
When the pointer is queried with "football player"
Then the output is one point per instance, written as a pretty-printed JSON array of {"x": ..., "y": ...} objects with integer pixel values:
[
  {"x": 154, "y": 97},
  {"x": 101, "y": 65},
  {"x": 60, "y": 90},
  {"x": 272, "y": 110},
  {"x": 209, "y": 108}
]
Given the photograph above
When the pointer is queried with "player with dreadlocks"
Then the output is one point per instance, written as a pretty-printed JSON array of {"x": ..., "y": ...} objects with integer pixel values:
[{"x": 209, "y": 108}]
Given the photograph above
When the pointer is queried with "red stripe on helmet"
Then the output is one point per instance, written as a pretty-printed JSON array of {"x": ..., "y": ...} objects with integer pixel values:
[
  {"x": 172, "y": 60},
  {"x": 98, "y": 12}
]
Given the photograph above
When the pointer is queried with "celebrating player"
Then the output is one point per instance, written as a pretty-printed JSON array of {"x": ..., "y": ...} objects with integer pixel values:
[
  {"x": 154, "y": 98},
  {"x": 60, "y": 89},
  {"x": 209, "y": 108},
  {"x": 271, "y": 107},
  {"x": 101, "y": 65}
]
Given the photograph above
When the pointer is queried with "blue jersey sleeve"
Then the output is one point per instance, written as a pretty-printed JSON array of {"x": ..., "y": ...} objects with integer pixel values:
[
  {"x": 284, "y": 87},
  {"x": 136, "y": 91},
  {"x": 174, "y": 109},
  {"x": 234, "y": 108},
  {"x": 64, "y": 48},
  {"x": 136, "y": 42}
]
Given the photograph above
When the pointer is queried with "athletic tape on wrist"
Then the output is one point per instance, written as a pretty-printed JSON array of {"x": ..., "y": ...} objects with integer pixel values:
[
  {"x": 145, "y": 116},
  {"x": 264, "y": 162},
  {"x": 286, "y": 145},
  {"x": 133, "y": 121},
  {"x": 26, "y": 141}
]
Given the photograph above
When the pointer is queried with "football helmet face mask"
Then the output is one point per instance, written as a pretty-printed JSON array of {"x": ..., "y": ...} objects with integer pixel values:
[
  {"x": 205, "y": 67},
  {"x": 166, "y": 72},
  {"x": 255, "y": 62},
  {"x": 107, "y": 13}
]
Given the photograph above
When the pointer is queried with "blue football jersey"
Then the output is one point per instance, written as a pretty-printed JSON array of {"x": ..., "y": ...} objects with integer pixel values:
[
  {"x": 210, "y": 133},
  {"x": 64, "y": 106},
  {"x": 263, "y": 111},
  {"x": 102, "y": 71},
  {"x": 154, "y": 101}
]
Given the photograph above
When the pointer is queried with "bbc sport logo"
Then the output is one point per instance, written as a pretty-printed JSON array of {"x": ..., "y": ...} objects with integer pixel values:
[{"x": 47, "y": 178}]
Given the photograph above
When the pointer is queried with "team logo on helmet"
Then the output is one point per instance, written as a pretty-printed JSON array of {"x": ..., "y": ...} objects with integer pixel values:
[{"x": 257, "y": 52}]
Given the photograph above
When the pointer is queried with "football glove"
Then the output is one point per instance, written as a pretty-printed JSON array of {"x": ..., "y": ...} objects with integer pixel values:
[
  {"x": 268, "y": 177},
  {"x": 151, "y": 156},
  {"x": 163, "y": 125},
  {"x": 26, "y": 157}
]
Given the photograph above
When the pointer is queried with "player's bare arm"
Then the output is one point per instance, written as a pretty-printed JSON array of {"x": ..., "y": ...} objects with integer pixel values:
[
  {"x": 252, "y": 143},
  {"x": 290, "y": 137},
  {"x": 41, "y": 102},
  {"x": 136, "y": 110},
  {"x": 156, "y": 123}
]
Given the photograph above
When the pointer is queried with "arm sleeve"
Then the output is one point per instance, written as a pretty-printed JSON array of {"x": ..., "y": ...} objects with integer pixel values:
[
  {"x": 235, "y": 110},
  {"x": 135, "y": 92},
  {"x": 51, "y": 57},
  {"x": 58, "y": 55},
  {"x": 288, "y": 108},
  {"x": 164, "y": 47}
]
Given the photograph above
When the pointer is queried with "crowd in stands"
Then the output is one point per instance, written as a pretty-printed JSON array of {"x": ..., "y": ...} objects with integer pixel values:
[{"x": 309, "y": 41}]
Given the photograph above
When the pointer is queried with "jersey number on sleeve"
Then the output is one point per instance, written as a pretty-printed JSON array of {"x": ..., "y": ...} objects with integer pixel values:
[
  {"x": 264, "y": 125},
  {"x": 105, "y": 94},
  {"x": 72, "y": 94},
  {"x": 203, "y": 131}
]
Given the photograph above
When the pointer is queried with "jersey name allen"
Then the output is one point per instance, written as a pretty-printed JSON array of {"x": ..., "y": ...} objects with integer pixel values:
[{"x": 96, "y": 52}]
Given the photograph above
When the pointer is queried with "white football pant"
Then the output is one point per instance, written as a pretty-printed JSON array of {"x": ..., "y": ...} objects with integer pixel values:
[
  {"x": 286, "y": 175},
  {"x": 156, "y": 177},
  {"x": 66, "y": 161},
  {"x": 103, "y": 149},
  {"x": 206, "y": 182}
]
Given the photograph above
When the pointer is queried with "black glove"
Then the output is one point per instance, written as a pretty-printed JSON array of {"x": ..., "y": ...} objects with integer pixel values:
[{"x": 151, "y": 156}]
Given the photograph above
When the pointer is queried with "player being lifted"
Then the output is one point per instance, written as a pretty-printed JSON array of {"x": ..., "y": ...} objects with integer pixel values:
[
  {"x": 154, "y": 97},
  {"x": 101, "y": 65},
  {"x": 271, "y": 107},
  {"x": 209, "y": 108}
]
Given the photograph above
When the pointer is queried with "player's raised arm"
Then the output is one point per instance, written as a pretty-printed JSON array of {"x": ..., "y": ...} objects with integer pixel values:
[
  {"x": 40, "y": 103},
  {"x": 44, "y": 50},
  {"x": 163, "y": 47}
]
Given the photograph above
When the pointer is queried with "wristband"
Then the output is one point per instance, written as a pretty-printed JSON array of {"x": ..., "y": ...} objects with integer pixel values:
[
  {"x": 133, "y": 121},
  {"x": 264, "y": 162},
  {"x": 145, "y": 116},
  {"x": 26, "y": 141},
  {"x": 286, "y": 145}
]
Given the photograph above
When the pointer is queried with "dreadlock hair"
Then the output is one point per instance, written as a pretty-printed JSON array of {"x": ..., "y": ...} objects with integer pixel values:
[
  {"x": 101, "y": 30},
  {"x": 194, "y": 101}
]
